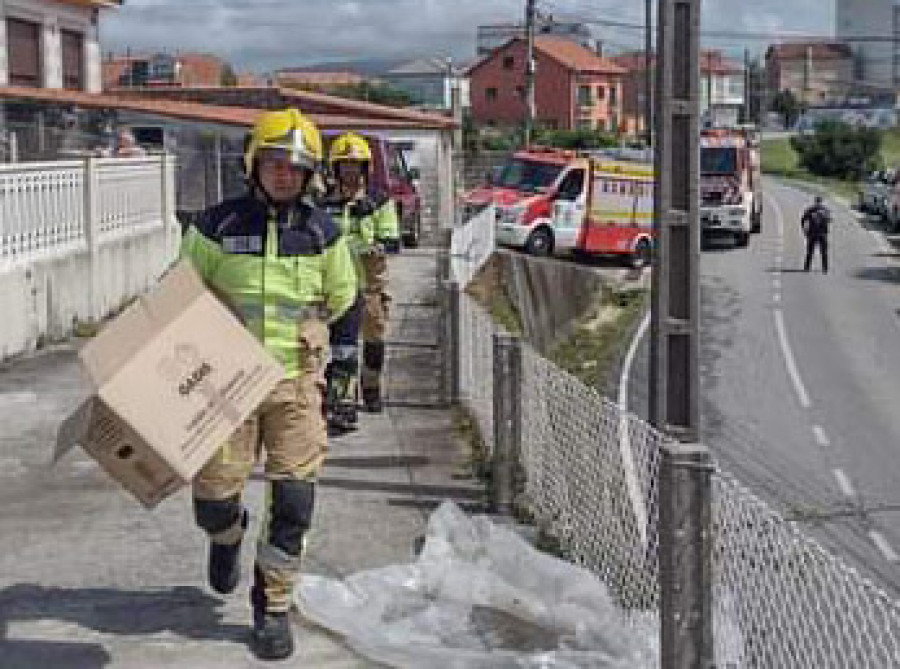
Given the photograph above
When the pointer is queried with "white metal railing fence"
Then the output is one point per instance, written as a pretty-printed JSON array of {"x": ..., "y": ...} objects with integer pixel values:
[
  {"x": 53, "y": 207},
  {"x": 41, "y": 208},
  {"x": 472, "y": 245},
  {"x": 590, "y": 478}
]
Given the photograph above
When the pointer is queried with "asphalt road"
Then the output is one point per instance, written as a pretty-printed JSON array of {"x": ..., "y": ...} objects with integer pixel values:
[{"x": 800, "y": 379}]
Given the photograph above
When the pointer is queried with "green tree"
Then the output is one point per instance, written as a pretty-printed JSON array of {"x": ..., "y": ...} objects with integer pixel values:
[
  {"x": 839, "y": 150},
  {"x": 582, "y": 138},
  {"x": 383, "y": 94},
  {"x": 787, "y": 104}
]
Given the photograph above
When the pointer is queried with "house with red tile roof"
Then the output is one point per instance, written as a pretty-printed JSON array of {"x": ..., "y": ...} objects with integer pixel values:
[
  {"x": 162, "y": 69},
  {"x": 817, "y": 73},
  {"x": 574, "y": 87},
  {"x": 721, "y": 84}
]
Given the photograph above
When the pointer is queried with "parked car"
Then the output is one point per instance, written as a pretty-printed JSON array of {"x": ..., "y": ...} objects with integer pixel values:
[{"x": 876, "y": 194}]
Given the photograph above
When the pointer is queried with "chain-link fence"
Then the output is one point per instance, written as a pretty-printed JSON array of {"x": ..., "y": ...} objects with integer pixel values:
[{"x": 589, "y": 476}]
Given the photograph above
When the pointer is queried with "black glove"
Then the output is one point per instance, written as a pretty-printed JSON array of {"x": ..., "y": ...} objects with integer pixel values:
[
  {"x": 390, "y": 245},
  {"x": 362, "y": 207}
]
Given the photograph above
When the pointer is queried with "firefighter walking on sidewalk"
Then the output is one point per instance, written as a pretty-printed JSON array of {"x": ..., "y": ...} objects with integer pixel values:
[
  {"x": 368, "y": 219},
  {"x": 284, "y": 269}
]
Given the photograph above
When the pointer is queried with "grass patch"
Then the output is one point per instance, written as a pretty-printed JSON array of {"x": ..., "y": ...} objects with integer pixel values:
[
  {"x": 476, "y": 464},
  {"x": 489, "y": 290},
  {"x": 779, "y": 159},
  {"x": 600, "y": 339}
]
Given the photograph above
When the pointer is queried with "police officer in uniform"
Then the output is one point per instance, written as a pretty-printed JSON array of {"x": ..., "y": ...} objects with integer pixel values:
[{"x": 815, "y": 223}]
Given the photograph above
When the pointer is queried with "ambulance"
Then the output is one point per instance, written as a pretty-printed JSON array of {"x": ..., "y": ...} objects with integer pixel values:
[{"x": 601, "y": 207}]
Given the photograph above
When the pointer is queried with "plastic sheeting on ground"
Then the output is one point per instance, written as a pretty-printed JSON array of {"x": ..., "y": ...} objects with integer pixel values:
[{"x": 479, "y": 596}]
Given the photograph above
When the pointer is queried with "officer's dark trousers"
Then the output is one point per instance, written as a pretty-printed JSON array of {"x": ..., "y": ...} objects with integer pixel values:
[{"x": 811, "y": 243}]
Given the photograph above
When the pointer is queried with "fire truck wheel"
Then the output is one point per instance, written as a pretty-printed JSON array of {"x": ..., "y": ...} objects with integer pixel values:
[
  {"x": 540, "y": 243},
  {"x": 756, "y": 220},
  {"x": 643, "y": 254}
]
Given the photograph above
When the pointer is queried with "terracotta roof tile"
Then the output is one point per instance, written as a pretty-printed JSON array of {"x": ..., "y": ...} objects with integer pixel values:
[
  {"x": 817, "y": 50},
  {"x": 574, "y": 56},
  {"x": 192, "y": 111}
]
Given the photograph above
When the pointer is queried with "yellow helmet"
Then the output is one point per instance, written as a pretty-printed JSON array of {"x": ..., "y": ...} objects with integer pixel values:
[
  {"x": 349, "y": 146},
  {"x": 288, "y": 130}
]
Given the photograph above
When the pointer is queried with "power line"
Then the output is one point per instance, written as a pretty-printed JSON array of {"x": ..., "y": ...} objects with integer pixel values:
[{"x": 734, "y": 34}]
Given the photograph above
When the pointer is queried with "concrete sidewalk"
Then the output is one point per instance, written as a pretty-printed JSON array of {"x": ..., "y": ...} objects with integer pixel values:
[{"x": 89, "y": 579}]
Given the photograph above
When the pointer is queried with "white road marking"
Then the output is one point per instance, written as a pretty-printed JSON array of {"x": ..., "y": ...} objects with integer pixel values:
[
  {"x": 884, "y": 546},
  {"x": 821, "y": 437},
  {"x": 789, "y": 361},
  {"x": 779, "y": 219},
  {"x": 24, "y": 397},
  {"x": 844, "y": 482},
  {"x": 786, "y": 352},
  {"x": 634, "y": 490},
  {"x": 776, "y": 297}
]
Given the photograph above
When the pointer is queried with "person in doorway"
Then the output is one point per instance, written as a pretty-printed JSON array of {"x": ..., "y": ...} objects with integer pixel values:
[
  {"x": 283, "y": 267},
  {"x": 127, "y": 146},
  {"x": 814, "y": 223},
  {"x": 368, "y": 219}
]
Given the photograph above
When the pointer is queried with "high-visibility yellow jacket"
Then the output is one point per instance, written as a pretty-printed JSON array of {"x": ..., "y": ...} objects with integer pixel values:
[
  {"x": 367, "y": 225},
  {"x": 274, "y": 269}
]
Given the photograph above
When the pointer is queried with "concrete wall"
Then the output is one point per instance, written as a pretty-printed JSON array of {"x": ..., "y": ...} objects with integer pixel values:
[
  {"x": 43, "y": 299},
  {"x": 550, "y": 296}
]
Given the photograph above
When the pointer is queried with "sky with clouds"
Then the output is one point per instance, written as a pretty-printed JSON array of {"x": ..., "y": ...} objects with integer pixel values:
[{"x": 262, "y": 35}]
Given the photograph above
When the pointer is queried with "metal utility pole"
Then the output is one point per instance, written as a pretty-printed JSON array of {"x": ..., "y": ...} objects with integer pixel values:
[
  {"x": 529, "y": 70},
  {"x": 676, "y": 297},
  {"x": 684, "y": 481},
  {"x": 709, "y": 86},
  {"x": 748, "y": 86},
  {"x": 648, "y": 73}
]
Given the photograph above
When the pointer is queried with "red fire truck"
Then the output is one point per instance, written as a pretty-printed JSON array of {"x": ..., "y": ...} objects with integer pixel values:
[{"x": 730, "y": 183}]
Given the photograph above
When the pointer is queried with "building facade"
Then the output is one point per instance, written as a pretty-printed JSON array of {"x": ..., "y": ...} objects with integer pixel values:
[
  {"x": 722, "y": 93},
  {"x": 817, "y": 73},
  {"x": 163, "y": 69},
  {"x": 46, "y": 44},
  {"x": 871, "y": 28},
  {"x": 430, "y": 81},
  {"x": 574, "y": 88}
]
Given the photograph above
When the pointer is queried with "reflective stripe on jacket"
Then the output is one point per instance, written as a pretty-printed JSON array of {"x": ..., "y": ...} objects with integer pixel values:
[{"x": 274, "y": 269}]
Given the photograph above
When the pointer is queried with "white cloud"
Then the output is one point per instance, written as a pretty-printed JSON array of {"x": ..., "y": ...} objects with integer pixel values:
[{"x": 266, "y": 34}]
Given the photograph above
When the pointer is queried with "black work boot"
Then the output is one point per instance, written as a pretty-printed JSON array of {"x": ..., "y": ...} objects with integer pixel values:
[
  {"x": 372, "y": 400},
  {"x": 342, "y": 419},
  {"x": 272, "y": 637},
  {"x": 224, "y": 568}
]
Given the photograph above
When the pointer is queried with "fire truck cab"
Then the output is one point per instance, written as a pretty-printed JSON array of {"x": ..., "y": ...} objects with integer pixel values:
[{"x": 730, "y": 184}]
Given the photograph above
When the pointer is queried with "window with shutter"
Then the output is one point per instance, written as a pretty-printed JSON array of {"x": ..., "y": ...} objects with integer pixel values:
[
  {"x": 73, "y": 60},
  {"x": 24, "y": 53}
]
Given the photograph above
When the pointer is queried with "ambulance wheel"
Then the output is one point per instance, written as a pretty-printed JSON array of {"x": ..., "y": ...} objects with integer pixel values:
[
  {"x": 540, "y": 243},
  {"x": 642, "y": 255}
]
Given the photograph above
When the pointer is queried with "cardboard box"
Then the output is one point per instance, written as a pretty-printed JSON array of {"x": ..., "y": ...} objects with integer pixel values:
[{"x": 175, "y": 374}]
